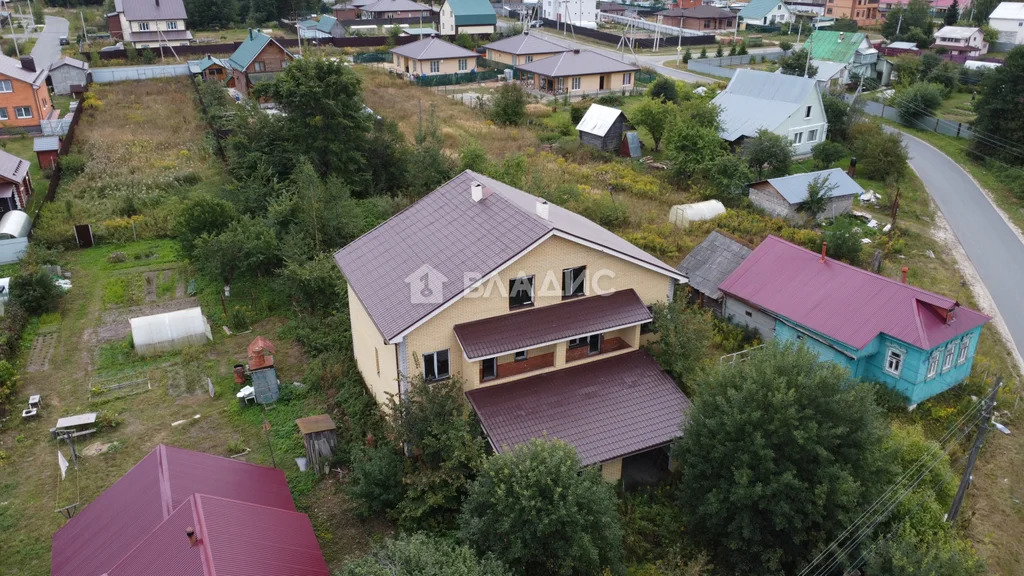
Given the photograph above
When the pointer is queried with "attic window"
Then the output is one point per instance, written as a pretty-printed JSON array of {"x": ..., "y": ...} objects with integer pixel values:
[
  {"x": 520, "y": 292},
  {"x": 807, "y": 112}
]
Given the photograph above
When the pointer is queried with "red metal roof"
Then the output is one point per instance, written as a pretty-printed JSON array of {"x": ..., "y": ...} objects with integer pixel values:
[
  {"x": 843, "y": 302},
  {"x": 261, "y": 353},
  {"x": 233, "y": 538},
  {"x": 606, "y": 409},
  {"x": 547, "y": 324},
  {"x": 118, "y": 519}
]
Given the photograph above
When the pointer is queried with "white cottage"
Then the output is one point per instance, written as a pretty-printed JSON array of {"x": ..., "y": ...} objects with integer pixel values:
[
  {"x": 1008, "y": 19},
  {"x": 789, "y": 106}
]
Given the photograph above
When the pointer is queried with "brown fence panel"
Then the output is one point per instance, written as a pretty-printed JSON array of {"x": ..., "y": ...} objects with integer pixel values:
[{"x": 65, "y": 147}]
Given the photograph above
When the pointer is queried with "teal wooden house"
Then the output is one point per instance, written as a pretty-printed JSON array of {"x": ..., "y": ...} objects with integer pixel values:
[{"x": 880, "y": 329}]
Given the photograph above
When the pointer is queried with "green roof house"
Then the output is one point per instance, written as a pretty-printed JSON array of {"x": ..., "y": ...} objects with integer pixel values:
[
  {"x": 257, "y": 59},
  {"x": 850, "y": 48},
  {"x": 475, "y": 17}
]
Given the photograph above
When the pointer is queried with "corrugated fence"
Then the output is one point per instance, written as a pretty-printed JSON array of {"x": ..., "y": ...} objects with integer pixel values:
[{"x": 716, "y": 66}]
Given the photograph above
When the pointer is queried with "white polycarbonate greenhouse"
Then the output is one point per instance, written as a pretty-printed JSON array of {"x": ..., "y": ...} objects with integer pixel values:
[
  {"x": 683, "y": 214},
  {"x": 170, "y": 331}
]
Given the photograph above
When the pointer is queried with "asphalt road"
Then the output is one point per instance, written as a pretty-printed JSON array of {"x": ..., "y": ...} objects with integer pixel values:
[
  {"x": 996, "y": 252},
  {"x": 47, "y": 48}
]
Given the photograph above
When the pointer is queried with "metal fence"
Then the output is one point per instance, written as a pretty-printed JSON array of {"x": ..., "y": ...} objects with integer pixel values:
[
  {"x": 368, "y": 57},
  {"x": 128, "y": 73},
  {"x": 453, "y": 79},
  {"x": 717, "y": 66},
  {"x": 761, "y": 28},
  {"x": 930, "y": 123}
]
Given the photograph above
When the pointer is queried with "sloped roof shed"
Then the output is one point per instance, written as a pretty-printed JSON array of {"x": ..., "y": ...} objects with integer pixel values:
[
  {"x": 599, "y": 119},
  {"x": 712, "y": 261}
]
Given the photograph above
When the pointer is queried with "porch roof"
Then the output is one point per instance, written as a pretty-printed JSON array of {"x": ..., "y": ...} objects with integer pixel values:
[
  {"x": 606, "y": 409},
  {"x": 549, "y": 324}
]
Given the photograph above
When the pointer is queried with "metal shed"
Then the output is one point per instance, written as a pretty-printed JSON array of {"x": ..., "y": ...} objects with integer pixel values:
[
  {"x": 170, "y": 331},
  {"x": 320, "y": 436},
  {"x": 602, "y": 127}
]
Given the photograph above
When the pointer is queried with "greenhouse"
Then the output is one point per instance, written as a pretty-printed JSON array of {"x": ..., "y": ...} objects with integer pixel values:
[{"x": 170, "y": 331}]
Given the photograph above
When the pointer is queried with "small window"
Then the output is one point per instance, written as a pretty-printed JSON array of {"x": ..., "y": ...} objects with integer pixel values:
[
  {"x": 933, "y": 364},
  {"x": 259, "y": 66},
  {"x": 414, "y": 62},
  {"x": 965, "y": 348},
  {"x": 529, "y": 59},
  {"x": 3, "y": 114},
  {"x": 519, "y": 356},
  {"x": 23, "y": 112},
  {"x": 748, "y": 313},
  {"x": 143, "y": 26},
  {"x": 627, "y": 79},
  {"x": 798, "y": 138},
  {"x": 894, "y": 362},
  {"x": 581, "y": 342},
  {"x": 520, "y": 292},
  {"x": 463, "y": 65},
  {"x": 807, "y": 112},
  {"x": 435, "y": 365},
  {"x": 947, "y": 361},
  {"x": 172, "y": 25},
  {"x": 490, "y": 368},
  {"x": 376, "y": 358},
  {"x": 812, "y": 136},
  {"x": 435, "y": 66},
  {"x": 573, "y": 281},
  {"x": 576, "y": 83},
  {"x": 6, "y": 86}
]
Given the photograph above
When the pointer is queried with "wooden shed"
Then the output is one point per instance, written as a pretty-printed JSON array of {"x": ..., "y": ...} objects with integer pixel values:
[
  {"x": 602, "y": 127},
  {"x": 320, "y": 436},
  {"x": 46, "y": 149}
]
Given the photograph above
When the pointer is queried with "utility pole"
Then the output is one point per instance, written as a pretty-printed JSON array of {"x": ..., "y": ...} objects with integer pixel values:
[
  {"x": 807, "y": 63},
  {"x": 10, "y": 20},
  {"x": 799, "y": 31},
  {"x": 983, "y": 426},
  {"x": 85, "y": 32},
  {"x": 899, "y": 23}
]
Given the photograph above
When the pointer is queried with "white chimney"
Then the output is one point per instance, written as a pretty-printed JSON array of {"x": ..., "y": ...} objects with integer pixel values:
[
  {"x": 542, "y": 209},
  {"x": 476, "y": 191}
]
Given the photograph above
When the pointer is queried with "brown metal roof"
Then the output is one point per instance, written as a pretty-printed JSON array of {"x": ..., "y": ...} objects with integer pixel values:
[
  {"x": 548, "y": 324},
  {"x": 13, "y": 168},
  {"x": 606, "y": 409},
  {"x": 433, "y": 49},
  {"x": 525, "y": 43},
  {"x": 314, "y": 424}
]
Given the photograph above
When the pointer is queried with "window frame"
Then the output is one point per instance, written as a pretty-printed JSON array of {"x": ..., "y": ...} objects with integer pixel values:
[
  {"x": 5, "y": 83},
  {"x": 570, "y": 280},
  {"x": 901, "y": 358},
  {"x": 576, "y": 83},
  {"x": 949, "y": 356},
  {"x": 812, "y": 135},
  {"x": 520, "y": 356},
  {"x": 18, "y": 115},
  {"x": 514, "y": 289},
  {"x": 627, "y": 78},
  {"x": 259, "y": 66},
  {"x": 4, "y": 115},
  {"x": 435, "y": 66},
  {"x": 484, "y": 373},
  {"x": 965, "y": 349},
  {"x": 463, "y": 64},
  {"x": 432, "y": 360},
  {"x": 798, "y": 138},
  {"x": 143, "y": 26},
  {"x": 172, "y": 24},
  {"x": 933, "y": 364}
]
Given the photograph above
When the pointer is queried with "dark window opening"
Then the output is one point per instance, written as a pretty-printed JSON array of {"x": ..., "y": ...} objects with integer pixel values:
[
  {"x": 648, "y": 327},
  {"x": 520, "y": 292},
  {"x": 435, "y": 365},
  {"x": 490, "y": 366},
  {"x": 748, "y": 313},
  {"x": 573, "y": 281},
  {"x": 519, "y": 356},
  {"x": 595, "y": 344}
]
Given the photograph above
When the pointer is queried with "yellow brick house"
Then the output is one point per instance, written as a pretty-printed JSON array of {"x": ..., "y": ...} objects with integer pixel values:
[{"x": 540, "y": 311}]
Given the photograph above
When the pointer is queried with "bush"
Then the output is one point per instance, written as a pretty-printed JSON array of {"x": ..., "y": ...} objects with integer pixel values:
[
  {"x": 578, "y": 110},
  {"x": 422, "y": 555},
  {"x": 34, "y": 292},
  {"x": 663, "y": 88},
  {"x": 917, "y": 100},
  {"x": 72, "y": 165},
  {"x": 613, "y": 100},
  {"x": 880, "y": 155},
  {"x": 684, "y": 338},
  {"x": 826, "y": 153},
  {"x": 375, "y": 482},
  {"x": 508, "y": 106},
  {"x": 602, "y": 209},
  {"x": 536, "y": 511},
  {"x": 843, "y": 238}
]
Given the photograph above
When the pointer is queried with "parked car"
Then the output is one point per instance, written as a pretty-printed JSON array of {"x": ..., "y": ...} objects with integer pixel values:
[
  {"x": 64, "y": 41},
  {"x": 536, "y": 24}
]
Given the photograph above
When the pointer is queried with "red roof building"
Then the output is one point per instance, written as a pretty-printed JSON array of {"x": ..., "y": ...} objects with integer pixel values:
[{"x": 237, "y": 511}]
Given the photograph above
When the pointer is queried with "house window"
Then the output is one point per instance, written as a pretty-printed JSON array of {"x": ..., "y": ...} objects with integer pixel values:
[
  {"x": 573, "y": 281},
  {"x": 435, "y": 66},
  {"x": 6, "y": 86},
  {"x": 463, "y": 65},
  {"x": 648, "y": 327},
  {"x": 490, "y": 368},
  {"x": 933, "y": 364},
  {"x": 829, "y": 11},
  {"x": 3, "y": 114},
  {"x": 414, "y": 65},
  {"x": 259, "y": 66},
  {"x": 519, "y": 356},
  {"x": 812, "y": 135},
  {"x": 627, "y": 79},
  {"x": 947, "y": 361},
  {"x": 965, "y": 348},
  {"x": 520, "y": 292},
  {"x": 172, "y": 25},
  {"x": 23, "y": 112},
  {"x": 143, "y": 26},
  {"x": 748, "y": 313},
  {"x": 529, "y": 59},
  {"x": 807, "y": 112},
  {"x": 576, "y": 83},
  {"x": 798, "y": 137},
  {"x": 435, "y": 365},
  {"x": 894, "y": 362}
]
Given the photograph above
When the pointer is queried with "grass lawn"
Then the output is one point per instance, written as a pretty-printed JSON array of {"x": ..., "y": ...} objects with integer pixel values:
[
  {"x": 957, "y": 108},
  {"x": 237, "y": 34}
]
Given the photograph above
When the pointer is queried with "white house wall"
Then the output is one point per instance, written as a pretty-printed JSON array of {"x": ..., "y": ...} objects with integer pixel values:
[
  {"x": 573, "y": 11},
  {"x": 1011, "y": 31},
  {"x": 798, "y": 123},
  {"x": 738, "y": 312}
]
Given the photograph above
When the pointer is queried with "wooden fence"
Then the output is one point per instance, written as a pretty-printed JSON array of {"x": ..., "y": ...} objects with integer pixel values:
[
  {"x": 200, "y": 50},
  {"x": 65, "y": 148}
]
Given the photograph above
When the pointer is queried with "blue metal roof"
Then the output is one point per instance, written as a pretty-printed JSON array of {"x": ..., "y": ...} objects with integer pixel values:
[
  {"x": 46, "y": 144},
  {"x": 473, "y": 12},
  {"x": 254, "y": 43},
  {"x": 794, "y": 188},
  {"x": 758, "y": 9}
]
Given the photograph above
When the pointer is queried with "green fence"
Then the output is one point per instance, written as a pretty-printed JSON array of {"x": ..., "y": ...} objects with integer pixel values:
[
  {"x": 452, "y": 79},
  {"x": 763, "y": 29},
  {"x": 644, "y": 77},
  {"x": 368, "y": 57}
]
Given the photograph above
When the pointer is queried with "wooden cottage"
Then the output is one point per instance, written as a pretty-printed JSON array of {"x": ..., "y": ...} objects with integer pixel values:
[
  {"x": 602, "y": 127},
  {"x": 320, "y": 436}
]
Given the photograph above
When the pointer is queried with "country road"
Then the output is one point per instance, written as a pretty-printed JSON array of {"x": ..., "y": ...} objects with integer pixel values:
[
  {"x": 47, "y": 48},
  {"x": 996, "y": 252}
]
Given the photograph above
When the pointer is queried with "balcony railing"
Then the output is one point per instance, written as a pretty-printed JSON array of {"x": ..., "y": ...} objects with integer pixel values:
[
  {"x": 531, "y": 364},
  {"x": 607, "y": 345}
]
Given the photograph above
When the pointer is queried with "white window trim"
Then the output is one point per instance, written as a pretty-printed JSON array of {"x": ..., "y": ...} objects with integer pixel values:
[
  {"x": 933, "y": 364},
  {"x": 965, "y": 348},
  {"x": 4, "y": 84},
  {"x": 437, "y": 375},
  {"x": 435, "y": 66},
  {"x": 18, "y": 114},
  {"x": 888, "y": 356},
  {"x": 949, "y": 356}
]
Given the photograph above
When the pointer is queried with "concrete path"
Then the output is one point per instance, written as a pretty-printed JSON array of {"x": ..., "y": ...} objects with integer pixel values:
[
  {"x": 47, "y": 48},
  {"x": 995, "y": 250}
]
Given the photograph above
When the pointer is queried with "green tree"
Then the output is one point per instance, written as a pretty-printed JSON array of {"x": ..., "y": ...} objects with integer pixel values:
[
  {"x": 319, "y": 97},
  {"x": 880, "y": 155},
  {"x": 201, "y": 214},
  {"x": 818, "y": 192},
  {"x": 394, "y": 33},
  {"x": 843, "y": 237},
  {"x": 732, "y": 50},
  {"x": 946, "y": 74},
  {"x": 375, "y": 481},
  {"x": 248, "y": 246},
  {"x": 687, "y": 56},
  {"x": 436, "y": 426},
  {"x": 536, "y": 511},
  {"x": 908, "y": 69},
  {"x": 918, "y": 100},
  {"x": 663, "y": 88},
  {"x": 718, "y": 51},
  {"x": 208, "y": 14},
  {"x": 472, "y": 156},
  {"x": 982, "y": 9},
  {"x": 429, "y": 165},
  {"x": 839, "y": 117},
  {"x": 844, "y": 25},
  {"x": 654, "y": 116},
  {"x": 509, "y": 105},
  {"x": 703, "y": 52},
  {"x": 465, "y": 40},
  {"x": 768, "y": 153},
  {"x": 387, "y": 155},
  {"x": 827, "y": 153},
  {"x": 915, "y": 15},
  {"x": 782, "y": 451},
  {"x": 743, "y": 48},
  {"x": 952, "y": 15},
  {"x": 796, "y": 64},
  {"x": 689, "y": 145},
  {"x": 1000, "y": 111},
  {"x": 38, "y": 17},
  {"x": 422, "y": 555},
  {"x": 684, "y": 340},
  {"x": 785, "y": 46},
  {"x": 728, "y": 176},
  {"x": 314, "y": 285},
  {"x": 34, "y": 292}
]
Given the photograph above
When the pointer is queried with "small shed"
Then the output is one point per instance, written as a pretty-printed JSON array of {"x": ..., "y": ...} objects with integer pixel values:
[
  {"x": 709, "y": 264},
  {"x": 782, "y": 197},
  {"x": 682, "y": 214},
  {"x": 320, "y": 436},
  {"x": 170, "y": 331},
  {"x": 265, "y": 384},
  {"x": 68, "y": 72},
  {"x": 602, "y": 127},
  {"x": 46, "y": 149}
]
